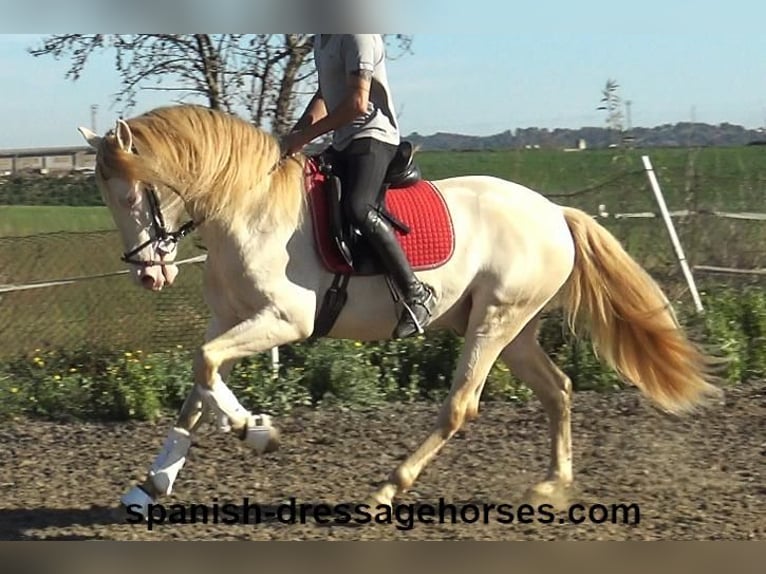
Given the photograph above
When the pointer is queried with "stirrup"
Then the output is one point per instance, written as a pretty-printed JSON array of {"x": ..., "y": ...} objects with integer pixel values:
[
  {"x": 408, "y": 313},
  {"x": 418, "y": 327}
]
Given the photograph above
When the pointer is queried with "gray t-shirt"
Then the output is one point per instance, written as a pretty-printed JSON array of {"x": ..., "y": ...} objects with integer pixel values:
[{"x": 337, "y": 56}]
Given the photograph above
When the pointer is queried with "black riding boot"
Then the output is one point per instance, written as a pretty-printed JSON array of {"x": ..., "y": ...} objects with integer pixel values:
[{"x": 417, "y": 298}]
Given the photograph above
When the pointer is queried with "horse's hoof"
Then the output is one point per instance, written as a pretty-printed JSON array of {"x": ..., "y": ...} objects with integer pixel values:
[
  {"x": 136, "y": 504},
  {"x": 378, "y": 501},
  {"x": 261, "y": 436},
  {"x": 550, "y": 492}
]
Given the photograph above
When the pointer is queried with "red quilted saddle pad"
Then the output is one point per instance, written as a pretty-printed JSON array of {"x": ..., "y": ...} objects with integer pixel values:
[{"x": 429, "y": 243}]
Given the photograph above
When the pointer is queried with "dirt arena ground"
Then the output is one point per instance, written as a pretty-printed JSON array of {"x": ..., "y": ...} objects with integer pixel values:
[{"x": 700, "y": 477}]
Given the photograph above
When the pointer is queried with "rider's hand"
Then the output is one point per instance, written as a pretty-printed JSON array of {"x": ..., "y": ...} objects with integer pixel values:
[{"x": 293, "y": 142}]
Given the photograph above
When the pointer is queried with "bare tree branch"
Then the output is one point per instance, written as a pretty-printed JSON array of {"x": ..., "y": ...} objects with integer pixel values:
[{"x": 262, "y": 75}]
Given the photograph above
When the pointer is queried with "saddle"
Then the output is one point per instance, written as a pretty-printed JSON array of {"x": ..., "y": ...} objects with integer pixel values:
[{"x": 402, "y": 172}]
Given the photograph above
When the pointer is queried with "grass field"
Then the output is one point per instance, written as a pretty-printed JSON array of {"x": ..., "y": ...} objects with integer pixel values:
[
  {"x": 22, "y": 220},
  {"x": 726, "y": 178}
]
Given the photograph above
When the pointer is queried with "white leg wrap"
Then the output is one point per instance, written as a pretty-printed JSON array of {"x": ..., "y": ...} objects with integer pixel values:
[
  {"x": 261, "y": 435},
  {"x": 222, "y": 422},
  {"x": 137, "y": 499},
  {"x": 170, "y": 460},
  {"x": 223, "y": 401},
  {"x": 216, "y": 418}
]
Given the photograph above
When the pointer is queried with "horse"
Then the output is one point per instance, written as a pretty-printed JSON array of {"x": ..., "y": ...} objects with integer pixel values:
[{"x": 516, "y": 256}]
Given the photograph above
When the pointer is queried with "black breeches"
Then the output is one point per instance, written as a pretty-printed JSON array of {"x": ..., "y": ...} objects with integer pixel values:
[{"x": 362, "y": 167}]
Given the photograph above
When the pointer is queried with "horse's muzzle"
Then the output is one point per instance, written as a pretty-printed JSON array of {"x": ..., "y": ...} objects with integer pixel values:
[{"x": 155, "y": 277}]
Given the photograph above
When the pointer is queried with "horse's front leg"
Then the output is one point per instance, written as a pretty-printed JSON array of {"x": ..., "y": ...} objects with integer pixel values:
[
  {"x": 270, "y": 328},
  {"x": 172, "y": 456},
  {"x": 212, "y": 364}
]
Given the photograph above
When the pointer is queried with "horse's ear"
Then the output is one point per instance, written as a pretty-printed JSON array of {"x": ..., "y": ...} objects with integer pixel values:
[
  {"x": 92, "y": 138},
  {"x": 124, "y": 135}
]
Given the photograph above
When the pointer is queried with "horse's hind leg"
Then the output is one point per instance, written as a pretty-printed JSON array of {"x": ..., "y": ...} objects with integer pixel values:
[
  {"x": 491, "y": 328},
  {"x": 529, "y": 362}
]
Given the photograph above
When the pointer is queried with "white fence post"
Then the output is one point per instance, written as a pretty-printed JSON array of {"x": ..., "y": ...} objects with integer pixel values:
[
  {"x": 275, "y": 362},
  {"x": 672, "y": 232}
]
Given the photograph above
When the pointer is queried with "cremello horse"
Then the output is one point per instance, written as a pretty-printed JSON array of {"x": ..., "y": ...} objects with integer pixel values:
[{"x": 516, "y": 254}]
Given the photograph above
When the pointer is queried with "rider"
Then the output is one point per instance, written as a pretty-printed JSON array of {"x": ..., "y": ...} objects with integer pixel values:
[{"x": 353, "y": 101}]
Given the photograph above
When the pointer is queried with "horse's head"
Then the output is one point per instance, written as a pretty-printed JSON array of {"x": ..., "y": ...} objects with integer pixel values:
[{"x": 135, "y": 207}]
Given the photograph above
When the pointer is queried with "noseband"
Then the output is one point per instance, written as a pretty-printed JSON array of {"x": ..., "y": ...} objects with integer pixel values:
[{"x": 166, "y": 240}]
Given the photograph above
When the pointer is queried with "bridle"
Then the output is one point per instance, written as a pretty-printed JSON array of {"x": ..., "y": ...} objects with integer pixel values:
[{"x": 166, "y": 240}]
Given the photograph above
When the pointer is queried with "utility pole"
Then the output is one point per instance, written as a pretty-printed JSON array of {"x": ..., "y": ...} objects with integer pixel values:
[
  {"x": 93, "y": 112},
  {"x": 628, "y": 123}
]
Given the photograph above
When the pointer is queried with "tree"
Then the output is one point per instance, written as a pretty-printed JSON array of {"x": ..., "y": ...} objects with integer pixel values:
[
  {"x": 612, "y": 104},
  {"x": 260, "y": 76}
]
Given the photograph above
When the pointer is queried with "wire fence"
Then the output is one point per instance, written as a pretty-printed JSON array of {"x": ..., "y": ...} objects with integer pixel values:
[
  {"x": 720, "y": 222},
  {"x": 94, "y": 305}
]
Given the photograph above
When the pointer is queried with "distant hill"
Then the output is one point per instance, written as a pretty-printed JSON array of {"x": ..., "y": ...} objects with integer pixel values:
[{"x": 682, "y": 134}]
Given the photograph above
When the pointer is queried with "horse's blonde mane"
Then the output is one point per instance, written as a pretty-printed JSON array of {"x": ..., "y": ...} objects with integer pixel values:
[{"x": 218, "y": 163}]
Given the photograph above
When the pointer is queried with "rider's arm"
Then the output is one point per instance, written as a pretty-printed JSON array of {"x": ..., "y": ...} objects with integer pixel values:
[
  {"x": 353, "y": 106},
  {"x": 315, "y": 111}
]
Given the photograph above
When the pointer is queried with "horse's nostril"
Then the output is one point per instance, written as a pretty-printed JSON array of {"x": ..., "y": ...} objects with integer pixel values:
[{"x": 147, "y": 281}]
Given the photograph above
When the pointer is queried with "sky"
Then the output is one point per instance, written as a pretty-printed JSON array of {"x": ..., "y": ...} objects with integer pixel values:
[{"x": 542, "y": 65}]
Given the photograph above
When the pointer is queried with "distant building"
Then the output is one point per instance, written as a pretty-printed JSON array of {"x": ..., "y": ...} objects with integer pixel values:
[
  {"x": 47, "y": 160},
  {"x": 581, "y": 145}
]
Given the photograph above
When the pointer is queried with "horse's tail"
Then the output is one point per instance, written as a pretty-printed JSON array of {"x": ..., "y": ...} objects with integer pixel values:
[{"x": 630, "y": 320}]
